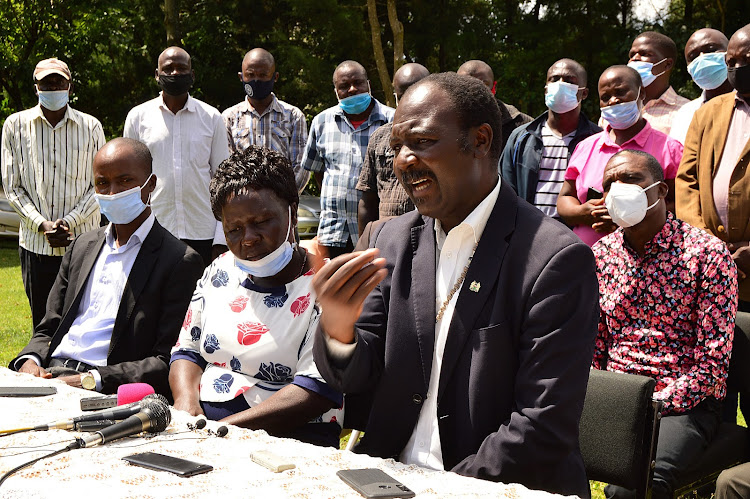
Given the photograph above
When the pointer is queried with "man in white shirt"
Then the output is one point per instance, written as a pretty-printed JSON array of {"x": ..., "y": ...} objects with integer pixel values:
[
  {"x": 188, "y": 141},
  {"x": 462, "y": 344},
  {"x": 704, "y": 55},
  {"x": 121, "y": 295},
  {"x": 46, "y": 170}
]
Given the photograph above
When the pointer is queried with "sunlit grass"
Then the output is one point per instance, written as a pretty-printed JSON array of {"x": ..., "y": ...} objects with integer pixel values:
[{"x": 15, "y": 314}]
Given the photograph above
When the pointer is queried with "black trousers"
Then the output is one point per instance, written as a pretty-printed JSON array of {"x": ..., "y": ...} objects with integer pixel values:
[
  {"x": 39, "y": 273},
  {"x": 682, "y": 439},
  {"x": 202, "y": 247}
]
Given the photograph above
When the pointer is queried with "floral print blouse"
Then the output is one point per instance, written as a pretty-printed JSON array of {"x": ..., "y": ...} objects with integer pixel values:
[{"x": 670, "y": 314}]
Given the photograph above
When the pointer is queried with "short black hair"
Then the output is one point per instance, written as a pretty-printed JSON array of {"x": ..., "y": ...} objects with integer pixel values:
[
  {"x": 653, "y": 165},
  {"x": 664, "y": 43},
  {"x": 255, "y": 168},
  {"x": 472, "y": 102}
]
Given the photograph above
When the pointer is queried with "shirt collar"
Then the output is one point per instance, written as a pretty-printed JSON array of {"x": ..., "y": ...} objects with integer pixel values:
[
  {"x": 189, "y": 104},
  {"x": 739, "y": 102},
  {"x": 661, "y": 241},
  {"x": 246, "y": 107},
  {"x": 476, "y": 220},
  {"x": 639, "y": 139},
  {"x": 376, "y": 115},
  {"x": 136, "y": 238},
  {"x": 669, "y": 96},
  {"x": 70, "y": 114}
]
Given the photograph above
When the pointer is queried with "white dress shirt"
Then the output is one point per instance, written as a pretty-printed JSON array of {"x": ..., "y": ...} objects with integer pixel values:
[
  {"x": 453, "y": 253},
  {"x": 90, "y": 334},
  {"x": 187, "y": 148},
  {"x": 684, "y": 117}
]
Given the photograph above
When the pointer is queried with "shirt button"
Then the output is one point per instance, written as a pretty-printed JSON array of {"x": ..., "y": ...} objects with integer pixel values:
[
  {"x": 421, "y": 444},
  {"x": 449, "y": 254},
  {"x": 417, "y": 399},
  {"x": 721, "y": 228}
]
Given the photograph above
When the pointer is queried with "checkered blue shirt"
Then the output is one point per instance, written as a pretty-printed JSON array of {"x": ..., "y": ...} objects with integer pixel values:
[{"x": 336, "y": 148}]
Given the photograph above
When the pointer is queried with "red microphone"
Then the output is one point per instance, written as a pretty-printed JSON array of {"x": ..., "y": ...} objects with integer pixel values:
[{"x": 126, "y": 394}]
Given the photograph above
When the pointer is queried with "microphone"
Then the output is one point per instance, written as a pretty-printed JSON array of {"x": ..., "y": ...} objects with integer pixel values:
[
  {"x": 126, "y": 394},
  {"x": 153, "y": 417},
  {"x": 116, "y": 413}
]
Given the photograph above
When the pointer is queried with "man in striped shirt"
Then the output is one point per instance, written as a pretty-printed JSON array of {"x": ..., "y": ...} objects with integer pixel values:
[
  {"x": 261, "y": 119},
  {"x": 47, "y": 152}
]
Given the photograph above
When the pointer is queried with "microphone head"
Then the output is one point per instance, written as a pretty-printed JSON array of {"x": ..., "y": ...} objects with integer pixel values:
[
  {"x": 222, "y": 431},
  {"x": 156, "y": 396},
  {"x": 158, "y": 414},
  {"x": 133, "y": 392},
  {"x": 200, "y": 424}
]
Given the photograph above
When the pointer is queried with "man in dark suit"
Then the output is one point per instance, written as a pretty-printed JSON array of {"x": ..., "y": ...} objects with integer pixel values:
[
  {"x": 119, "y": 299},
  {"x": 473, "y": 333}
]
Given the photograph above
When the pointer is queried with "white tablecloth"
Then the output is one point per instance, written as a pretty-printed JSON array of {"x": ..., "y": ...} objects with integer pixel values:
[{"x": 100, "y": 471}]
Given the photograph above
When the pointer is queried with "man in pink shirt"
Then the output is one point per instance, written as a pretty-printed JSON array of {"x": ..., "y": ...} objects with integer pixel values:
[{"x": 621, "y": 95}]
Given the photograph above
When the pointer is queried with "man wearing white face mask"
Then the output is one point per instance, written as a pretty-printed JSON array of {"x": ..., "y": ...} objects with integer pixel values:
[
  {"x": 705, "y": 51},
  {"x": 122, "y": 290},
  {"x": 536, "y": 155},
  {"x": 621, "y": 102},
  {"x": 668, "y": 295},
  {"x": 46, "y": 171},
  {"x": 653, "y": 55}
]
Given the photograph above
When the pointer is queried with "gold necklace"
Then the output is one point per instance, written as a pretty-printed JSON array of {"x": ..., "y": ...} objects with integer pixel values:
[{"x": 455, "y": 286}]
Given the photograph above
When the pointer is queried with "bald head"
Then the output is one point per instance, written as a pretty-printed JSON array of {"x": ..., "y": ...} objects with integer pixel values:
[
  {"x": 406, "y": 76},
  {"x": 622, "y": 73},
  {"x": 704, "y": 41},
  {"x": 741, "y": 36},
  {"x": 136, "y": 153},
  {"x": 738, "y": 61},
  {"x": 479, "y": 70},
  {"x": 259, "y": 55},
  {"x": 569, "y": 71},
  {"x": 174, "y": 54}
]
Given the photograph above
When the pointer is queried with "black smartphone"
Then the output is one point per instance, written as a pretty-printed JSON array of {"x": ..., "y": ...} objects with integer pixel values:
[
  {"x": 162, "y": 462},
  {"x": 372, "y": 482},
  {"x": 27, "y": 391},
  {"x": 593, "y": 194}
]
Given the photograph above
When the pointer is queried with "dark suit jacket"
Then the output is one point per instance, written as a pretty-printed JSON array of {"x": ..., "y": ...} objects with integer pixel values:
[
  {"x": 517, "y": 356},
  {"x": 151, "y": 311},
  {"x": 694, "y": 195}
]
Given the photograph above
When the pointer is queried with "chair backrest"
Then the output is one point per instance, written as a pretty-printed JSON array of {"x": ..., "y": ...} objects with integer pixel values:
[
  {"x": 619, "y": 430},
  {"x": 739, "y": 367}
]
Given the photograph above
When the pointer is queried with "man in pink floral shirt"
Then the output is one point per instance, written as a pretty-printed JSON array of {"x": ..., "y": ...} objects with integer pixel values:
[{"x": 668, "y": 297}]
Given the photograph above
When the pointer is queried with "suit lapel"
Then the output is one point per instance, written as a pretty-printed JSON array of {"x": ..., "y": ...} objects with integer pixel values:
[
  {"x": 483, "y": 271},
  {"x": 139, "y": 275},
  {"x": 91, "y": 253},
  {"x": 723, "y": 119},
  {"x": 423, "y": 289}
]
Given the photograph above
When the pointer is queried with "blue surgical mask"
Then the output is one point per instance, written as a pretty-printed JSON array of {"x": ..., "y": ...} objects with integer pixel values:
[
  {"x": 272, "y": 263},
  {"x": 561, "y": 96},
  {"x": 709, "y": 71},
  {"x": 356, "y": 104},
  {"x": 54, "y": 100},
  {"x": 123, "y": 207},
  {"x": 645, "y": 70},
  {"x": 623, "y": 115}
]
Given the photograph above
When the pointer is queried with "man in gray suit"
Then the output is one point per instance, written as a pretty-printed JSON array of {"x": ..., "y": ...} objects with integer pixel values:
[{"x": 467, "y": 343}]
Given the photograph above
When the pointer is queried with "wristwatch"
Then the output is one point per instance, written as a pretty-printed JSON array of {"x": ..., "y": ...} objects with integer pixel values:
[{"x": 88, "y": 381}]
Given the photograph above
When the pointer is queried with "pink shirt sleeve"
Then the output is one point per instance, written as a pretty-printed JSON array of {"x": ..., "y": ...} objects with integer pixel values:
[{"x": 672, "y": 158}]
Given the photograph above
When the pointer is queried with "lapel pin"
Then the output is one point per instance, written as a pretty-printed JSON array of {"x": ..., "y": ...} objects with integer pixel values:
[{"x": 475, "y": 285}]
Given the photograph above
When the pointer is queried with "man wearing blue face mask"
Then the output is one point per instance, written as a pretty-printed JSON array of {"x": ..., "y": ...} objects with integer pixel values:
[
  {"x": 536, "y": 155},
  {"x": 653, "y": 55},
  {"x": 122, "y": 291},
  {"x": 704, "y": 54},
  {"x": 262, "y": 119},
  {"x": 668, "y": 296},
  {"x": 46, "y": 171},
  {"x": 335, "y": 152}
]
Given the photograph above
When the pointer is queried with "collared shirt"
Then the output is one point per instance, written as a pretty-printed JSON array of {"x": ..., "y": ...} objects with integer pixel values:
[
  {"x": 684, "y": 117},
  {"x": 586, "y": 165},
  {"x": 737, "y": 139},
  {"x": 187, "y": 148},
  {"x": 453, "y": 254},
  {"x": 670, "y": 314},
  {"x": 281, "y": 127},
  {"x": 89, "y": 336},
  {"x": 47, "y": 173},
  {"x": 661, "y": 112},
  {"x": 552, "y": 167},
  {"x": 377, "y": 176},
  {"x": 335, "y": 147}
]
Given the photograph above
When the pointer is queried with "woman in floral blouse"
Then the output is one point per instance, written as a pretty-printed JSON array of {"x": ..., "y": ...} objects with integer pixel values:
[{"x": 244, "y": 354}]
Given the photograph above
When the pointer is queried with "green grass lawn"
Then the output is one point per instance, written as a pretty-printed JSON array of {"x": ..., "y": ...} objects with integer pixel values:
[
  {"x": 15, "y": 314},
  {"x": 15, "y": 321}
]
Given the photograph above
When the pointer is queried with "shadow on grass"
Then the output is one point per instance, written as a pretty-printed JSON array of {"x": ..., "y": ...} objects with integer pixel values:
[{"x": 9, "y": 252}]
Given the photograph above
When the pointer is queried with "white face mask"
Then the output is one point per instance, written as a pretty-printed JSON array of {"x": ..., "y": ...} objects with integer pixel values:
[
  {"x": 627, "y": 204},
  {"x": 272, "y": 263},
  {"x": 125, "y": 206},
  {"x": 54, "y": 100}
]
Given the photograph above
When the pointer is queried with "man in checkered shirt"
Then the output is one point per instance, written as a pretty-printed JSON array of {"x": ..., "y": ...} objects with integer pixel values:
[{"x": 335, "y": 151}]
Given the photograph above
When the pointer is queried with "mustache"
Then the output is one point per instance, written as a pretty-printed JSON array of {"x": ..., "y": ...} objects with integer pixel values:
[{"x": 411, "y": 176}]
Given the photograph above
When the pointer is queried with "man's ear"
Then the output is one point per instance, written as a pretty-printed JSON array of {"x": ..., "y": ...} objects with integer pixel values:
[
  {"x": 156, "y": 74},
  {"x": 584, "y": 93},
  {"x": 239, "y": 73},
  {"x": 293, "y": 208},
  {"x": 482, "y": 140},
  {"x": 663, "y": 189},
  {"x": 276, "y": 76}
]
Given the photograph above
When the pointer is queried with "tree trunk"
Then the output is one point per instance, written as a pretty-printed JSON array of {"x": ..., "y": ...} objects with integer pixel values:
[
  {"x": 377, "y": 48},
  {"x": 398, "y": 36},
  {"x": 172, "y": 22}
]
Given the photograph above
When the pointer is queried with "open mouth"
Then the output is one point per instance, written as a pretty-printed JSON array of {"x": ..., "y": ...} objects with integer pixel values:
[{"x": 420, "y": 185}]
